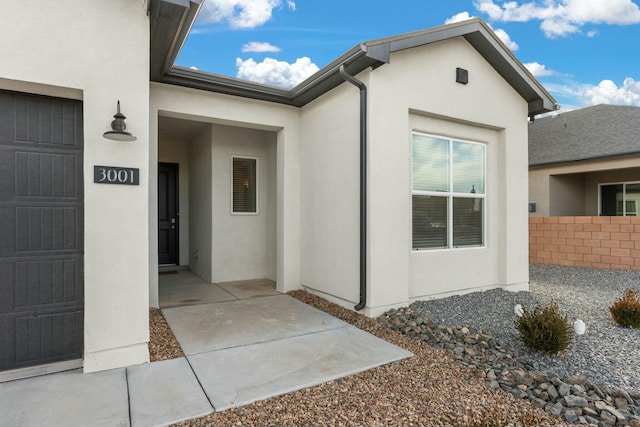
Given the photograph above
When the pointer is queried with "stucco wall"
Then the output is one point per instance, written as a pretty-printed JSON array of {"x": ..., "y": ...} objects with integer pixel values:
[
  {"x": 201, "y": 199},
  {"x": 282, "y": 124},
  {"x": 330, "y": 256},
  {"x": 434, "y": 272},
  {"x": 69, "y": 48},
  {"x": 542, "y": 187},
  {"x": 243, "y": 244},
  {"x": 172, "y": 151},
  {"x": 567, "y": 194},
  {"x": 417, "y": 91}
]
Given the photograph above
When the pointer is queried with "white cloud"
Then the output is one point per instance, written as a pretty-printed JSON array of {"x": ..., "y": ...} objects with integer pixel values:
[
  {"x": 291, "y": 4},
  {"x": 239, "y": 13},
  {"x": 462, "y": 16},
  {"x": 193, "y": 67},
  {"x": 276, "y": 73},
  {"x": 607, "y": 92},
  {"x": 502, "y": 34},
  {"x": 506, "y": 39},
  {"x": 260, "y": 47},
  {"x": 539, "y": 70},
  {"x": 563, "y": 17}
]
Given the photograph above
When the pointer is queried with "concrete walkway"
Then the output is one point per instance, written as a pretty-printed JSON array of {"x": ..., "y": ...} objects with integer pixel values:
[{"x": 237, "y": 352}]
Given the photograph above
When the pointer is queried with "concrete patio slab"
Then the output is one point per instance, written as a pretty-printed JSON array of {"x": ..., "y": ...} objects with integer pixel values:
[
  {"x": 250, "y": 288},
  {"x": 203, "y": 328},
  {"x": 66, "y": 399},
  {"x": 163, "y": 393},
  {"x": 238, "y": 376},
  {"x": 191, "y": 294},
  {"x": 179, "y": 278}
]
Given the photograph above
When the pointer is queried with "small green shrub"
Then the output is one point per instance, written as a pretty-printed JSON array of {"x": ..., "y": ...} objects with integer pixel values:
[
  {"x": 625, "y": 311},
  {"x": 545, "y": 329}
]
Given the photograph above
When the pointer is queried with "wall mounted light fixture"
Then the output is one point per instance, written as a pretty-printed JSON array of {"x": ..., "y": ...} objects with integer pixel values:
[{"x": 119, "y": 127}]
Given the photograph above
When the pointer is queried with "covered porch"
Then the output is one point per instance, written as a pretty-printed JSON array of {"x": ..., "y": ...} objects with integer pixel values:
[{"x": 222, "y": 207}]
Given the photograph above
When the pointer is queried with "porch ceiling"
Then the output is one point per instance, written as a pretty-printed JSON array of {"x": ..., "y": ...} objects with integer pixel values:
[{"x": 178, "y": 129}]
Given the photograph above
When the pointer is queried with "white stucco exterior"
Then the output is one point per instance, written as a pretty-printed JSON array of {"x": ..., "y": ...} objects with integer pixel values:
[
  {"x": 238, "y": 126},
  {"x": 201, "y": 205},
  {"x": 54, "y": 52},
  {"x": 417, "y": 91},
  {"x": 243, "y": 245},
  {"x": 330, "y": 197},
  {"x": 306, "y": 234}
]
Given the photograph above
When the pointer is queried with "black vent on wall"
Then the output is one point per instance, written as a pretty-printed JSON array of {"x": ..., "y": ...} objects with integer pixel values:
[{"x": 462, "y": 76}]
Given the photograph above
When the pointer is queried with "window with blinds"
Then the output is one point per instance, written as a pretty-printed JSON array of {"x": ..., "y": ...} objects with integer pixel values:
[
  {"x": 448, "y": 192},
  {"x": 244, "y": 185}
]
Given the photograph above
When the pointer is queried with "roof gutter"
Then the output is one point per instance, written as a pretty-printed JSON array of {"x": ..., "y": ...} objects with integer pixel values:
[{"x": 363, "y": 184}]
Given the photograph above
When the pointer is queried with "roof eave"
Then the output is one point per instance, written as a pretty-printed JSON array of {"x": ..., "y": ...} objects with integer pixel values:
[
  {"x": 484, "y": 40},
  {"x": 355, "y": 60},
  {"x": 586, "y": 159},
  {"x": 503, "y": 60},
  {"x": 177, "y": 16},
  {"x": 170, "y": 23}
]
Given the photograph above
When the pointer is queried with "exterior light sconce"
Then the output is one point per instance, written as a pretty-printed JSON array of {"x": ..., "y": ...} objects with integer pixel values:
[{"x": 118, "y": 126}]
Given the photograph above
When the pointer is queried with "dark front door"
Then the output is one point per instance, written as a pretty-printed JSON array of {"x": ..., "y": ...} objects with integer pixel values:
[
  {"x": 167, "y": 213},
  {"x": 41, "y": 230}
]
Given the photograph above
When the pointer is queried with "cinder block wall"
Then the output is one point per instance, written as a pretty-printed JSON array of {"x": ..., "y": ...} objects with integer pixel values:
[{"x": 585, "y": 241}]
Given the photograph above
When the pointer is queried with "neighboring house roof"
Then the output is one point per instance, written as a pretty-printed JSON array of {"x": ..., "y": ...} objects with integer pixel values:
[
  {"x": 171, "y": 21},
  {"x": 589, "y": 133}
]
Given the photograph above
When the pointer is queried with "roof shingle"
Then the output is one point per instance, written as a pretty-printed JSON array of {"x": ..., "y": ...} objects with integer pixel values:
[{"x": 588, "y": 133}]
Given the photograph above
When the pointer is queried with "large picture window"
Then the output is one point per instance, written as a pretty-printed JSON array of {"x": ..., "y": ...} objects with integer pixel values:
[
  {"x": 448, "y": 192},
  {"x": 244, "y": 185},
  {"x": 620, "y": 199}
]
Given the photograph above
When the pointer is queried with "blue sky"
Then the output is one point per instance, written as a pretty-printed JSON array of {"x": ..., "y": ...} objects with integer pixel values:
[{"x": 585, "y": 52}]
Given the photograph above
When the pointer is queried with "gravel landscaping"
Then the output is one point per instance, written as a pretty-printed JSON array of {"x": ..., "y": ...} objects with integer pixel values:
[
  {"x": 162, "y": 343},
  {"x": 606, "y": 353},
  {"x": 593, "y": 382},
  {"x": 429, "y": 389}
]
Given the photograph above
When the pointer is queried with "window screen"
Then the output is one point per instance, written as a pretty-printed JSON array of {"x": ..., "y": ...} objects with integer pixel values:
[{"x": 244, "y": 192}]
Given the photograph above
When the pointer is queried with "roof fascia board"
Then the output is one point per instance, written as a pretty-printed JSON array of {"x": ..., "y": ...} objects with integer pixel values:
[
  {"x": 546, "y": 102},
  {"x": 369, "y": 54},
  {"x": 586, "y": 160},
  {"x": 483, "y": 39},
  {"x": 227, "y": 85},
  {"x": 356, "y": 60}
]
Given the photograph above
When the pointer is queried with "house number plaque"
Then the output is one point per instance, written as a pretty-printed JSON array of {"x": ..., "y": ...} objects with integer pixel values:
[{"x": 116, "y": 175}]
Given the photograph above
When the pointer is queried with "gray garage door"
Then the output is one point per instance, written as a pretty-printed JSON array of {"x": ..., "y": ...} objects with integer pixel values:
[{"x": 41, "y": 230}]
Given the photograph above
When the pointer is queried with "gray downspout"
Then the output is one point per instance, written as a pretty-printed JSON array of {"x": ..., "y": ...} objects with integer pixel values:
[{"x": 363, "y": 185}]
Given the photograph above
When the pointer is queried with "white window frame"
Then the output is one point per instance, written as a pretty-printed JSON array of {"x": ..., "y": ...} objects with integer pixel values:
[
  {"x": 450, "y": 195},
  {"x": 624, "y": 195},
  {"x": 257, "y": 212}
]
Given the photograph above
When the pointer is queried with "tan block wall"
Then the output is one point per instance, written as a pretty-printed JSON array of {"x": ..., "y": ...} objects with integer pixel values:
[{"x": 585, "y": 241}]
